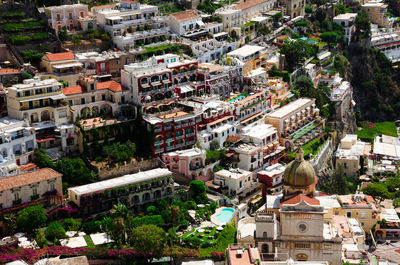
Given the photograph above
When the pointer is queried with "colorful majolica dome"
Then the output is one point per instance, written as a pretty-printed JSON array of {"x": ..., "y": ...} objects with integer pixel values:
[{"x": 299, "y": 173}]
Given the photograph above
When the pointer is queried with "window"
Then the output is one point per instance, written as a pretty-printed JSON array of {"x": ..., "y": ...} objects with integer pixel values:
[
  {"x": 277, "y": 245},
  {"x": 93, "y": 99},
  {"x": 103, "y": 97},
  {"x": 103, "y": 66},
  {"x": 91, "y": 86},
  {"x": 51, "y": 186},
  {"x": 34, "y": 191},
  {"x": 70, "y": 102},
  {"x": 82, "y": 101},
  {"x": 302, "y": 245},
  {"x": 362, "y": 224},
  {"x": 70, "y": 15},
  {"x": 327, "y": 246},
  {"x": 16, "y": 196},
  {"x": 348, "y": 214}
]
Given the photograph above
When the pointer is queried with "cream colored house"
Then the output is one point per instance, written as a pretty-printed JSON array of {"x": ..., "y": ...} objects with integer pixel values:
[
  {"x": 235, "y": 180},
  {"x": 42, "y": 186},
  {"x": 348, "y": 154},
  {"x": 377, "y": 13}
]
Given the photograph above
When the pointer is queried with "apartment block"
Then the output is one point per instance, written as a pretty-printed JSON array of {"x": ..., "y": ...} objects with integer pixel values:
[
  {"x": 377, "y": 13},
  {"x": 134, "y": 190},
  {"x": 235, "y": 180},
  {"x": 347, "y": 21},
  {"x": 348, "y": 154},
  {"x": 17, "y": 144}
]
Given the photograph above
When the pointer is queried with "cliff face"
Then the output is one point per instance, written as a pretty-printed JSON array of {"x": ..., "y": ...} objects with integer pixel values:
[{"x": 375, "y": 85}]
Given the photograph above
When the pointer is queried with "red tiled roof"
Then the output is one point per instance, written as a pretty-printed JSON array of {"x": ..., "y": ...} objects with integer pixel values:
[
  {"x": 39, "y": 175},
  {"x": 104, "y": 6},
  {"x": 129, "y": 1},
  {"x": 298, "y": 198},
  {"x": 27, "y": 167},
  {"x": 72, "y": 90},
  {"x": 6, "y": 71},
  {"x": 112, "y": 85},
  {"x": 369, "y": 199},
  {"x": 249, "y": 3},
  {"x": 185, "y": 15},
  {"x": 61, "y": 56}
]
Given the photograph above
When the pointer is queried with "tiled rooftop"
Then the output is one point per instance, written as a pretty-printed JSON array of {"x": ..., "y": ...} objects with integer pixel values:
[{"x": 39, "y": 175}]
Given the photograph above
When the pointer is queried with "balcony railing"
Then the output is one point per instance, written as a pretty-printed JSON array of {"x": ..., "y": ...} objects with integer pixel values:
[
  {"x": 17, "y": 202},
  {"x": 34, "y": 197}
]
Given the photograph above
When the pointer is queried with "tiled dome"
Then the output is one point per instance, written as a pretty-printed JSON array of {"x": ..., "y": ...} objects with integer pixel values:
[{"x": 299, "y": 173}]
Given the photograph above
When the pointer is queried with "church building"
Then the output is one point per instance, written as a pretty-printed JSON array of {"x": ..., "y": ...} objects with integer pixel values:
[{"x": 298, "y": 229}]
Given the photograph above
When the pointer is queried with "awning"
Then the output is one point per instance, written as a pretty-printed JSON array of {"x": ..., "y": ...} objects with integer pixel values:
[
  {"x": 43, "y": 125},
  {"x": 185, "y": 89},
  {"x": 200, "y": 23},
  {"x": 114, "y": 18},
  {"x": 67, "y": 65},
  {"x": 33, "y": 99},
  {"x": 57, "y": 97},
  {"x": 11, "y": 167},
  {"x": 45, "y": 139}
]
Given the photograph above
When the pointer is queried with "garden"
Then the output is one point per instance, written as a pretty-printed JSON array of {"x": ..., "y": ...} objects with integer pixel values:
[
  {"x": 370, "y": 130},
  {"x": 164, "y": 49}
]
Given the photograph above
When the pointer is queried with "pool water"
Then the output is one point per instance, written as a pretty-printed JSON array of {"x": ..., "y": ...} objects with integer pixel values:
[
  {"x": 238, "y": 97},
  {"x": 225, "y": 215}
]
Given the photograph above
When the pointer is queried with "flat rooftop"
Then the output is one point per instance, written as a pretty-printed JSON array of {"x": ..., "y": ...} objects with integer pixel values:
[
  {"x": 260, "y": 131},
  {"x": 246, "y": 50},
  {"x": 290, "y": 108},
  {"x": 121, "y": 181},
  {"x": 234, "y": 173}
]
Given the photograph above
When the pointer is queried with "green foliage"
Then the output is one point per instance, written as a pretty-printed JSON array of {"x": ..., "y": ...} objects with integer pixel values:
[
  {"x": 225, "y": 238},
  {"x": 305, "y": 86},
  {"x": 40, "y": 239},
  {"x": 156, "y": 220},
  {"x": 151, "y": 210},
  {"x": 341, "y": 9},
  {"x": 21, "y": 26},
  {"x": 207, "y": 6},
  {"x": 19, "y": 39},
  {"x": 63, "y": 35},
  {"x": 55, "y": 231},
  {"x": 301, "y": 24},
  {"x": 341, "y": 65},
  {"x": 120, "y": 152},
  {"x": 363, "y": 26},
  {"x": 31, "y": 217},
  {"x": 91, "y": 227},
  {"x": 338, "y": 183},
  {"x": 308, "y": 9},
  {"x": 26, "y": 76},
  {"x": 379, "y": 191},
  {"x": 213, "y": 155},
  {"x": 274, "y": 72},
  {"x": 148, "y": 239},
  {"x": 296, "y": 51},
  {"x": 277, "y": 17},
  {"x": 7, "y": 14},
  {"x": 74, "y": 170},
  {"x": 32, "y": 55},
  {"x": 370, "y": 130},
  {"x": 320, "y": 14},
  {"x": 71, "y": 224}
]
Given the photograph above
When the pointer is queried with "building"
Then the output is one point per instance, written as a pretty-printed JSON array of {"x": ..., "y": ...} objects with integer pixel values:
[
  {"x": 17, "y": 144},
  {"x": 63, "y": 66},
  {"x": 131, "y": 23},
  {"x": 74, "y": 17},
  {"x": 42, "y": 103},
  {"x": 295, "y": 8},
  {"x": 377, "y": 13},
  {"x": 174, "y": 126},
  {"x": 190, "y": 163},
  {"x": 361, "y": 207},
  {"x": 41, "y": 186},
  {"x": 242, "y": 255},
  {"x": 280, "y": 91},
  {"x": 236, "y": 181},
  {"x": 105, "y": 63},
  {"x": 291, "y": 119},
  {"x": 93, "y": 98},
  {"x": 135, "y": 191},
  {"x": 251, "y": 107},
  {"x": 184, "y": 22},
  {"x": 299, "y": 231},
  {"x": 271, "y": 178},
  {"x": 389, "y": 229},
  {"x": 237, "y": 14},
  {"x": 250, "y": 56},
  {"x": 347, "y": 21},
  {"x": 348, "y": 155},
  {"x": 209, "y": 49},
  {"x": 387, "y": 42}
]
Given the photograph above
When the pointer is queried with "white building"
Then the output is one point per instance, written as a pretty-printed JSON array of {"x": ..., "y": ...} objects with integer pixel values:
[
  {"x": 185, "y": 21},
  {"x": 387, "y": 42},
  {"x": 260, "y": 134},
  {"x": 210, "y": 49},
  {"x": 235, "y": 180},
  {"x": 348, "y": 154},
  {"x": 347, "y": 21},
  {"x": 17, "y": 143}
]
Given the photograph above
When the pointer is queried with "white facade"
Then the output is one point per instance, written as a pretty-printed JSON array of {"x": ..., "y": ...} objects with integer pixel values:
[
  {"x": 236, "y": 180},
  {"x": 347, "y": 21},
  {"x": 185, "y": 21},
  {"x": 388, "y": 43},
  {"x": 17, "y": 143}
]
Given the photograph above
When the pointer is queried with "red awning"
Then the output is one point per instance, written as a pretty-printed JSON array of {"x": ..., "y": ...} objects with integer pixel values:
[
  {"x": 229, "y": 154},
  {"x": 45, "y": 139}
]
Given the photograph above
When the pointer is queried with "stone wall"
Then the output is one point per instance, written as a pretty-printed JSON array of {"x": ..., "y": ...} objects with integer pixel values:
[{"x": 107, "y": 172}]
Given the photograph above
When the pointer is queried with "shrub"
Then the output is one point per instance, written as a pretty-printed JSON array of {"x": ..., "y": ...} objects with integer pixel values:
[
  {"x": 40, "y": 239},
  {"x": 148, "y": 220},
  {"x": 40, "y": 36},
  {"x": 91, "y": 227},
  {"x": 31, "y": 218},
  {"x": 32, "y": 55},
  {"x": 26, "y": 76},
  {"x": 54, "y": 231},
  {"x": 71, "y": 224},
  {"x": 19, "y": 39}
]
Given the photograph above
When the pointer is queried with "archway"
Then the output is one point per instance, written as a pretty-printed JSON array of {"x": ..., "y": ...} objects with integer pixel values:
[
  {"x": 264, "y": 248},
  {"x": 45, "y": 115},
  {"x": 85, "y": 111}
]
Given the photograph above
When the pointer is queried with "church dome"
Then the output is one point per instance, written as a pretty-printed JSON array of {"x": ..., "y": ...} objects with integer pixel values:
[{"x": 299, "y": 173}]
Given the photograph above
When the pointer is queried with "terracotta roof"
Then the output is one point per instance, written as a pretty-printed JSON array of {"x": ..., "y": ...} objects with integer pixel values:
[
  {"x": 111, "y": 85},
  {"x": 61, "y": 56},
  {"x": 72, "y": 90},
  {"x": 129, "y": 1},
  {"x": 298, "y": 198},
  {"x": 39, "y": 175},
  {"x": 27, "y": 167},
  {"x": 249, "y": 3},
  {"x": 104, "y": 6},
  {"x": 6, "y": 71},
  {"x": 185, "y": 15}
]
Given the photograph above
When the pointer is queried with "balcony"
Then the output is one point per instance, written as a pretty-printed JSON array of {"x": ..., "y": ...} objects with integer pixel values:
[
  {"x": 34, "y": 197},
  {"x": 169, "y": 140},
  {"x": 190, "y": 134},
  {"x": 179, "y": 145},
  {"x": 159, "y": 142},
  {"x": 177, "y": 137},
  {"x": 16, "y": 202},
  {"x": 190, "y": 142}
]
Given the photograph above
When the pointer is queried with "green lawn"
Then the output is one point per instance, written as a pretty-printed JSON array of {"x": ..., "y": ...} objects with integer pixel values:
[
  {"x": 312, "y": 147},
  {"x": 89, "y": 241},
  {"x": 370, "y": 130},
  {"x": 203, "y": 235}
]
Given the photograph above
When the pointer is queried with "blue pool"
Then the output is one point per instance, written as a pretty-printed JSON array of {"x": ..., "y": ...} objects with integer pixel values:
[{"x": 225, "y": 215}]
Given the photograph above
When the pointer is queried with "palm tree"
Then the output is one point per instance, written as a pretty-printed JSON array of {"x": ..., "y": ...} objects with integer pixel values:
[
  {"x": 120, "y": 215},
  {"x": 10, "y": 222}
]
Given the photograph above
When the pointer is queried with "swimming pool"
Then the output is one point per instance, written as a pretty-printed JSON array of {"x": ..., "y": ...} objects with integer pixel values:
[
  {"x": 243, "y": 95},
  {"x": 225, "y": 215}
]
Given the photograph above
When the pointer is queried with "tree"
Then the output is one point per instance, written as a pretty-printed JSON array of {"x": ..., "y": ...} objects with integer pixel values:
[
  {"x": 71, "y": 224},
  {"x": 75, "y": 171},
  {"x": 305, "y": 86},
  {"x": 63, "y": 35},
  {"x": 148, "y": 239},
  {"x": 151, "y": 210},
  {"x": 320, "y": 14},
  {"x": 31, "y": 217},
  {"x": 378, "y": 191},
  {"x": 197, "y": 187},
  {"x": 363, "y": 26},
  {"x": 276, "y": 18},
  {"x": 156, "y": 220},
  {"x": 308, "y": 9},
  {"x": 295, "y": 52},
  {"x": 10, "y": 222},
  {"x": 26, "y": 76},
  {"x": 55, "y": 231},
  {"x": 42, "y": 159}
]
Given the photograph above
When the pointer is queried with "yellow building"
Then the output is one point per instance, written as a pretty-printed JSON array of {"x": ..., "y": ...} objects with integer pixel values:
[
  {"x": 61, "y": 66},
  {"x": 279, "y": 91},
  {"x": 361, "y": 207},
  {"x": 348, "y": 154},
  {"x": 251, "y": 57},
  {"x": 376, "y": 12}
]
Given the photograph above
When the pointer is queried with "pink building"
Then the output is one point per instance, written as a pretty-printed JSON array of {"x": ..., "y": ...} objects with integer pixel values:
[
  {"x": 190, "y": 163},
  {"x": 74, "y": 17}
]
